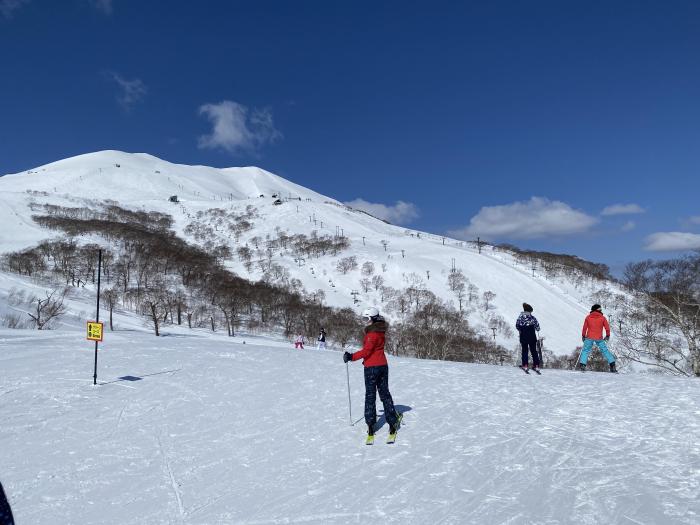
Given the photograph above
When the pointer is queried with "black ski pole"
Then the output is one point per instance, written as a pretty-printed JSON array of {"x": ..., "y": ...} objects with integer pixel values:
[{"x": 347, "y": 372}]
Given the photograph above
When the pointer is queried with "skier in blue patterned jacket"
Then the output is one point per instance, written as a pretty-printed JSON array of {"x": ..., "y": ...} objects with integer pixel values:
[{"x": 528, "y": 327}]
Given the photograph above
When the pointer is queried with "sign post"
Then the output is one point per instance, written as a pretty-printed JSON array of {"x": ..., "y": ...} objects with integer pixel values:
[{"x": 95, "y": 328}]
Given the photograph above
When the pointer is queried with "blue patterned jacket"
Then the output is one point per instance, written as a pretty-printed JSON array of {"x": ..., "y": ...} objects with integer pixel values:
[{"x": 528, "y": 326}]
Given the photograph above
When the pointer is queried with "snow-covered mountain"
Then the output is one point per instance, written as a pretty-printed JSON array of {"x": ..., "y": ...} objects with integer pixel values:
[
  {"x": 399, "y": 255},
  {"x": 196, "y": 427}
]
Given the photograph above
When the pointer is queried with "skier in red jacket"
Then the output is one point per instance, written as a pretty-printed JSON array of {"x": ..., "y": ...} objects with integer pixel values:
[
  {"x": 592, "y": 333},
  {"x": 376, "y": 372}
]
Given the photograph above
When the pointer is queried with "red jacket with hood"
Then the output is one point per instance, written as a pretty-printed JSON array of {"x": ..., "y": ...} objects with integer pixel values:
[
  {"x": 593, "y": 326},
  {"x": 372, "y": 351}
]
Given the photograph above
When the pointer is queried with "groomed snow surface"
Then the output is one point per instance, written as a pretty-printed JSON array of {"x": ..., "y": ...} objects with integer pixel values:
[
  {"x": 208, "y": 430},
  {"x": 199, "y": 428}
]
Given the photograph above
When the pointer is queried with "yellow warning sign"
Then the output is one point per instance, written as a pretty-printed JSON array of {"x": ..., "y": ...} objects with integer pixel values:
[{"x": 94, "y": 331}]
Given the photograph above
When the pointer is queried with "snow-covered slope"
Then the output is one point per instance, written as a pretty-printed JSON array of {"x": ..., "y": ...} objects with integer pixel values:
[
  {"x": 196, "y": 429},
  {"x": 400, "y": 256},
  {"x": 129, "y": 177}
]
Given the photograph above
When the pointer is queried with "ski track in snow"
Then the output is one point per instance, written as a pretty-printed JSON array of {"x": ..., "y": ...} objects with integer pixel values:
[{"x": 216, "y": 432}]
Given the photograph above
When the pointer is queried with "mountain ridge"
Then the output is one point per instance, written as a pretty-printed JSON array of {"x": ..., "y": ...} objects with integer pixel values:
[{"x": 400, "y": 257}]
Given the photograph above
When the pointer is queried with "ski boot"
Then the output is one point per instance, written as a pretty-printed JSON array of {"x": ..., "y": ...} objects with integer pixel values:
[
  {"x": 582, "y": 367},
  {"x": 613, "y": 369},
  {"x": 370, "y": 434},
  {"x": 393, "y": 429}
]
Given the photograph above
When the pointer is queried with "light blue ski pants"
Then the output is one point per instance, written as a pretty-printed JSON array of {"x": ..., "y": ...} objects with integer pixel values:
[{"x": 600, "y": 343}]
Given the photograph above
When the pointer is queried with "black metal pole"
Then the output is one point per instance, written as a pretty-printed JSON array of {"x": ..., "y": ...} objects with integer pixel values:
[{"x": 97, "y": 316}]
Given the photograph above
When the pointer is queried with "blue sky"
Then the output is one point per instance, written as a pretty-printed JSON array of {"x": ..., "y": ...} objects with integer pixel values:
[{"x": 563, "y": 126}]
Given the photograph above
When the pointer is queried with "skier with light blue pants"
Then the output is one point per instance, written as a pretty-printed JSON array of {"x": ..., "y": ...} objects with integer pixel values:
[{"x": 592, "y": 334}]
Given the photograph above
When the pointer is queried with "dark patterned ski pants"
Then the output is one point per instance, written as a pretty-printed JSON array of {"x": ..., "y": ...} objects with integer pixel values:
[
  {"x": 377, "y": 379},
  {"x": 530, "y": 344},
  {"x": 5, "y": 512}
]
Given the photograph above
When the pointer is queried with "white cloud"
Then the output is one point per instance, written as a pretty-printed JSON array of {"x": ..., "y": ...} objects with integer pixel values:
[
  {"x": 695, "y": 219},
  {"x": 131, "y": 91},
  {"x": 622, "y": 209},
  {"x": 628, "y": 226},
  {"x": 8, "y": 6},
  {"x": 538, "y": 217},
  {"x": 236, "y": 128},
  {"x": 672, "y": 241},
  {"x": 103, "y": 5},
  {"x": 400, "y": 213}
]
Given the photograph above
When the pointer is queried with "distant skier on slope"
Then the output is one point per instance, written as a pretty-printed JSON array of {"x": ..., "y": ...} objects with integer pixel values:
[
  {"x": 321, "y": 339},
  {"x": 376, "y": 372},
  {"x": 528, "y": 326},
  {"x": 299, "y": 342},
  {"x": 592, "y": 333}
]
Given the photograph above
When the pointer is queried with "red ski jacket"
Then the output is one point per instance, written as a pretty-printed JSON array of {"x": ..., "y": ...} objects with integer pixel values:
[
  {"x": 593, "y": 326},
  {"x": 372, "y": 351}
]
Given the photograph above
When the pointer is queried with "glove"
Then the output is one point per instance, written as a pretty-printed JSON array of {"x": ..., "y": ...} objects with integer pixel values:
[
  {"x": 607, "y": 338},
  {"x": 583, "y": 338},
  {"x": 347, "y": 356}
]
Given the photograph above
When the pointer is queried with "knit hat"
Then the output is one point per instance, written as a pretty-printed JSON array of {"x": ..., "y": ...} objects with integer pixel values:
[
  {"x": 596, "y": 308},
  {"x": 527, "y": 307}
]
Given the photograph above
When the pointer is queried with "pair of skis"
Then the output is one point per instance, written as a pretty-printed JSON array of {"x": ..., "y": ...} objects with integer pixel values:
[
  {"x": 391, "y": 439},
  {"x": 527, "y": 370}
]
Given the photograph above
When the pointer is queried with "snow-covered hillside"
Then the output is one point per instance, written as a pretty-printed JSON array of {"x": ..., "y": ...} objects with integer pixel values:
[
  {"x": 401, "y": 257},
  {"x": 203, "y": 429},
  {"x": 195, "y": 427}
]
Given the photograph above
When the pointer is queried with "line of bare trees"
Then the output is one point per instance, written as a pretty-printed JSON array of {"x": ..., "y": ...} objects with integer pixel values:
[
  {"x": 659, "y": 320},
  {"x": 553, "y": 264},
  {"x": 151, "y": 271},
  {"x": 429, "y": 328}
]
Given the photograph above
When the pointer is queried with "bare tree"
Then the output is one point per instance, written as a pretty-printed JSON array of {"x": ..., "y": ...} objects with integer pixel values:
[
  {"x": 245, "y": 255},
  {"x": 659, "y": 324},
  {"x": 346, "y": 264},
  {"x": 346, "y": 327},
  {"x": 153, "y": 304},
  {"x": 456, "y": 280},
  {"x": 48, "y": 309},
  {"x": 12, "y": 320},
  {"x": 366, "y": 284},
  {"x": 488, "y": 297},
  {"x": 472, "y": 292},
  {"x": 110, "y": 297}
]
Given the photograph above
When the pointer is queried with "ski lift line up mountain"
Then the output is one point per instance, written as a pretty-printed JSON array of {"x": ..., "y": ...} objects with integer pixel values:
[{"x": 559, "y": 303}]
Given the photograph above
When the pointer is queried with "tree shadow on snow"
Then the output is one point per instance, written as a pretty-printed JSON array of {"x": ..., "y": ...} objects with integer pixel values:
[{"x": 136, "y": 378}]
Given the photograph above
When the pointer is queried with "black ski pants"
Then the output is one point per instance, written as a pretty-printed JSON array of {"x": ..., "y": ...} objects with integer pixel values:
[
  {"x": 377, "y": 379},
  {"x": 531, "y": 345}
]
